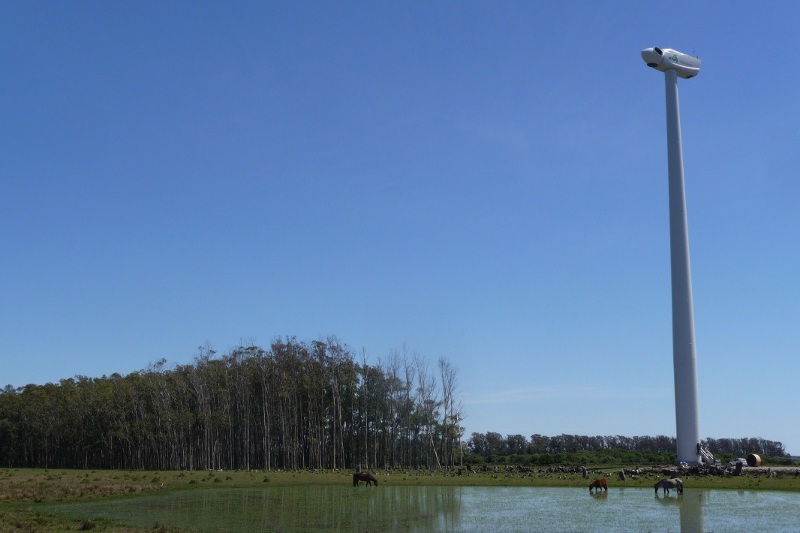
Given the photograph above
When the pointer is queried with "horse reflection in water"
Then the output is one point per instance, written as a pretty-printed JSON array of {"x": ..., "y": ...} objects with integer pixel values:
[
  {"x": 366, "y": 477},
  {"x": 666, "y": 484}
]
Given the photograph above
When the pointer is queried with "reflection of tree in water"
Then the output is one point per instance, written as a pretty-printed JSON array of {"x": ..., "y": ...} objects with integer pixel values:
[
  {"x": 412, "y": 507},
  {"x": 379, "y": 508},
  {"x": 307, "y": 508},
  {"x": 312, "y": 508}
]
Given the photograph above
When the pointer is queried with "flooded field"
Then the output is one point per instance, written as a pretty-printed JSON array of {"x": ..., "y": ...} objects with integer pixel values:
[{"x": 407, "y": 508}]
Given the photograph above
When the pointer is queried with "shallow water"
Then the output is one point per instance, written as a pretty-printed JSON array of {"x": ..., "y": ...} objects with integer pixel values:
[{"x": 482, "y": 509}]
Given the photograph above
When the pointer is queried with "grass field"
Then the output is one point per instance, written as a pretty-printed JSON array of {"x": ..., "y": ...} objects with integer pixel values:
[{"x": 23, "y": 491}]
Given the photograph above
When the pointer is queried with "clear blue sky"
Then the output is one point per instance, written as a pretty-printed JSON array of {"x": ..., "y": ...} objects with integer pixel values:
[{"x": 483, "y": 181}]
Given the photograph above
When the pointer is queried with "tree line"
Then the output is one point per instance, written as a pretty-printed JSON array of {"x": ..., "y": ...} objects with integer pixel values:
[
  {"x": 289, "y": 406},
  {"x": 495, "y": 444},
  {"x": 292, "y": 405}
]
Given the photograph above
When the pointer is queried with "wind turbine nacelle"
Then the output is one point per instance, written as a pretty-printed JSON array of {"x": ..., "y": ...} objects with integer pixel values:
[{"x": 664, "y": 59}]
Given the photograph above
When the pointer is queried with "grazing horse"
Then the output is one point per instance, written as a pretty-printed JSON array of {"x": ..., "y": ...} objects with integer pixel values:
[
  {"x": 599, "y": 484},
  {"x": 364, "y": 476},
  {"x": 666, "y": 484}
]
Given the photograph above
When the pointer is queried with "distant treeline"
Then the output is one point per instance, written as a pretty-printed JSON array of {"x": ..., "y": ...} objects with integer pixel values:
[
  {"x": 293, "y": 405},
  {"x": 581, "y": 448}
]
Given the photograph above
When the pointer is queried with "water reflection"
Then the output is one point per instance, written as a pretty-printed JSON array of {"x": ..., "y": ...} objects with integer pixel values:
[
  {"x": 690, "y": 508},
  {"x": 692, "y": 511},
  {"x": 388, "y": 508}
]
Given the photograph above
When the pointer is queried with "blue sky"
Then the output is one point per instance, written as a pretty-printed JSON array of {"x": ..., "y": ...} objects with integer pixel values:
[{"x": 483, "y": 181}]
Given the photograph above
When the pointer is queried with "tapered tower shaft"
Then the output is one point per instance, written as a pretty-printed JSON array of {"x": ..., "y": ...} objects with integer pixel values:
[{"x": 684, "y": 355}]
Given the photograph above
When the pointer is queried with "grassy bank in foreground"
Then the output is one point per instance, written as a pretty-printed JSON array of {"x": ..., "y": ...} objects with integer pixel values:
[{"x": 23, "y": 490}]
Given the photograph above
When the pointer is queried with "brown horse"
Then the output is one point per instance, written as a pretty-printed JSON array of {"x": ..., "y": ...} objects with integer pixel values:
[
  {"x": 364, "y": 476},
  {"x": 599, "y": 484}
]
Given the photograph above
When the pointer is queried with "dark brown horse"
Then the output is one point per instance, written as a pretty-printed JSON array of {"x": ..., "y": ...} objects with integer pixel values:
[
  {"x": 599, "y": 484},
  {"x": 364, "y": 476}
]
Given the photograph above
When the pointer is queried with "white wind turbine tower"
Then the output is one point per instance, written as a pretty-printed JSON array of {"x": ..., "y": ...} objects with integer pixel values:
[{"x": 674, "y": 65}]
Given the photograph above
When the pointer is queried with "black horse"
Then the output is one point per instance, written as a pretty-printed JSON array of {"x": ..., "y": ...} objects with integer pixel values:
[{"x": 364, "y": 476}]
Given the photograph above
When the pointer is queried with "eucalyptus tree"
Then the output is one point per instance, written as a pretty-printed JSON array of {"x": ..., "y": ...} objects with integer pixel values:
[
  {"x": 449, "y": 385},
  {"x": 428, "y": 404},
  {"x": 293, "y": 405}
]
